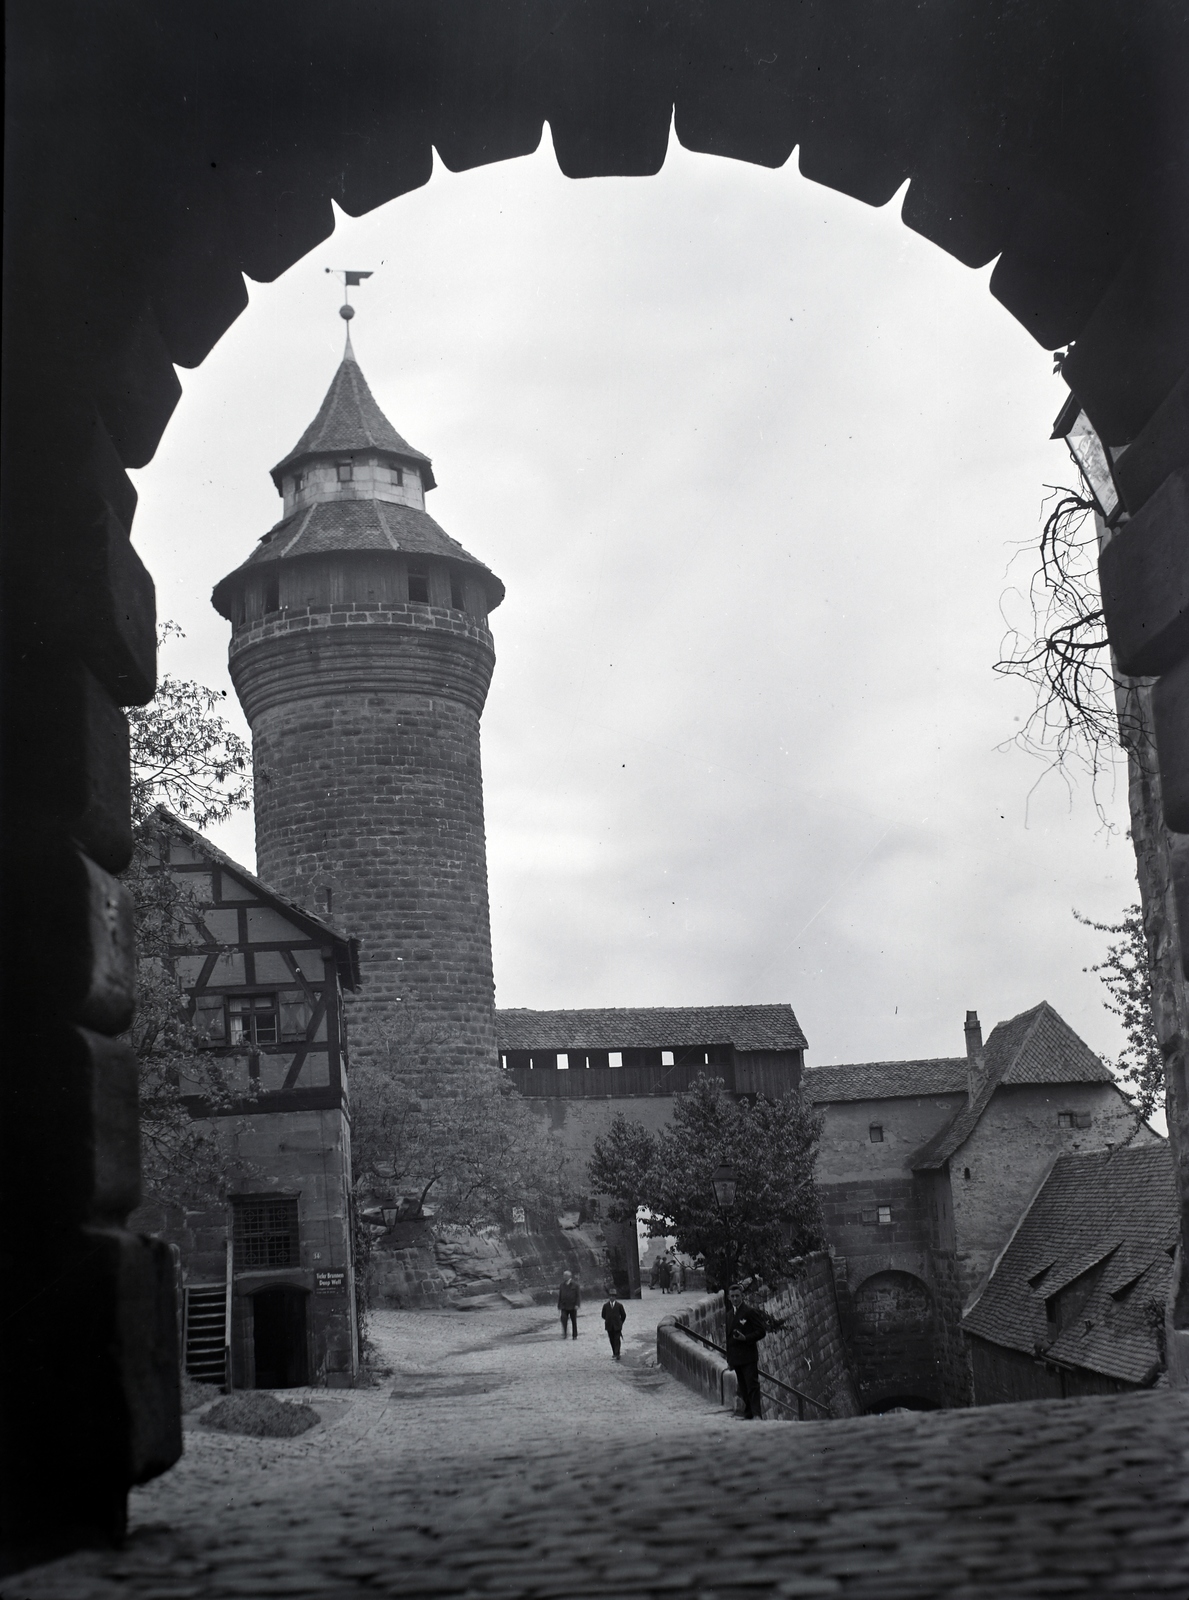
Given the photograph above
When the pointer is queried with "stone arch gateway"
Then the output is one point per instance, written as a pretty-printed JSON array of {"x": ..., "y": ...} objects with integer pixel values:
[{"x": 154, "y": 158}]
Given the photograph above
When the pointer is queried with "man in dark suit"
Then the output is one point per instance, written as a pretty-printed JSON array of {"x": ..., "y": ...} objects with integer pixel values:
[
  {"x": 746, "y": 1326},
  {"x": 569, "y": 1298},
  {"x": 614, "y": 1317}
]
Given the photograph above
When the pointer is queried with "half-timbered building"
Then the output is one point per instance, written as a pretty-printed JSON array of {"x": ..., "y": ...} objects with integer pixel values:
[{"x": 269, "y": 1290}]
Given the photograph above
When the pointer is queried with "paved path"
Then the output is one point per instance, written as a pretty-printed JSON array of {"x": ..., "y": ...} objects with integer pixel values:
[{"x": 498, "y": 1461}]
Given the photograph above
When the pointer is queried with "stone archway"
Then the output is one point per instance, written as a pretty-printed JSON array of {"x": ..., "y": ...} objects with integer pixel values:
[
  {"x": 152, "y": 161},
  {"x": 893, "y": 1342}
]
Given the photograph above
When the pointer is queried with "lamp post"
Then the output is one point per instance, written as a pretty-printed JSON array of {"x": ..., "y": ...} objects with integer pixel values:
[
  {"x": 724, "y": 1183},
  {"x": 1093, "y": 459}
]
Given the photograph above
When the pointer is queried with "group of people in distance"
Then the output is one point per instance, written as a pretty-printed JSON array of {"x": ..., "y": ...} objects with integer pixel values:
[{"x": 746, "y": 1325}]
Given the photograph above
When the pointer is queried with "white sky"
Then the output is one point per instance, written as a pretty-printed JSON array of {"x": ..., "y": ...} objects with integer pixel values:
[{"x": 753, "y": 461}]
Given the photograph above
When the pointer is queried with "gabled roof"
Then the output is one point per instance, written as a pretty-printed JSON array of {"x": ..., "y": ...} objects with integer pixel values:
[
  {"x": 650, "y": 1027},
  {"x": 337, "y": 525},
  {"x": 886, "y": 1080},
  {"x": 349, "y": 419},
  {"x": 1038, "y": 1046},
  {"x": 1112, "y": 1215},
  {"x": 346, "y": 951}
]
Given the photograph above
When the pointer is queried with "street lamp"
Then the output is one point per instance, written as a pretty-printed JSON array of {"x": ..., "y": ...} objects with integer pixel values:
[{"x": 724, "y": 1183}]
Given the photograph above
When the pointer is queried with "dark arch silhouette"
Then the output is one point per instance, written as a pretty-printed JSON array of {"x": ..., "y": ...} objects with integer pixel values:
[
  {"x": 893, "y": 1342},
  {"x": 155, "y": 156}
]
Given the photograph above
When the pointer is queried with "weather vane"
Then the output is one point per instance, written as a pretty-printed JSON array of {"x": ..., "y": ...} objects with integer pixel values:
[{"x": 351, "y": 280}]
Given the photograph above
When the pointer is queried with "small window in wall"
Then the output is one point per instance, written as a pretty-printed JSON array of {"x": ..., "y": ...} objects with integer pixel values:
[
  {"x": 615, "y": 1058},
  {"x": 457, "y": 598},
  {"x": 883, "y": 1215},
  {"x": 966, "y": 1173},
  {"x": 299, "y": 481},
  {"x": 346, "y": 471},
  {"x": 563, "y": 1061},
  {"x": 1073, "y": 1119},
  {"x": 272, "y": 595},
  {"x": 419, "y": 585},
  {"x": 397, "y": 474},
  {"x": 875, "y": 1133},
  {"x": 253, "y": 1018},
  {"x": 266, "y": 1232}
]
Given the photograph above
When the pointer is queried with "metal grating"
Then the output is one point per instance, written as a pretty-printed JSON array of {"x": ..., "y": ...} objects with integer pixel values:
[{"x": 266, "y": 1233}]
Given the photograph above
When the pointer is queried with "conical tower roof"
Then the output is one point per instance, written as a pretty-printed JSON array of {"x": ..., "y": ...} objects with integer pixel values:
[{"x": 349, "y": 419}]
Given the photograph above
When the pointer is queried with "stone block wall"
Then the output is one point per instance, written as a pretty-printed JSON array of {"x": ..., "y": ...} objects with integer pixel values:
[
  {"x": 807, "y": 1351},
  {"x": 369, "y": 805}
]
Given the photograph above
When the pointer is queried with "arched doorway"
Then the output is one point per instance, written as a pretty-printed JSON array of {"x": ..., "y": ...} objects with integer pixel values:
[
  {"x": 893, "y": 1343},
  {"x": 279, "y": 1338}
]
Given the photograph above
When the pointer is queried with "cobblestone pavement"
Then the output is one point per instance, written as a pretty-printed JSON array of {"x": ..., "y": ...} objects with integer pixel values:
[{"x": 500, "y": 1461}]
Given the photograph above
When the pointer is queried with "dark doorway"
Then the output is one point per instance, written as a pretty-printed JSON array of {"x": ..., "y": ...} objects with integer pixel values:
[{"x": 279, "y": 1338}]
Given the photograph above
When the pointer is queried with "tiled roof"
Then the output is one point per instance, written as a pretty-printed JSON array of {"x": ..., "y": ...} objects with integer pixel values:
[
  {"x": 346, "y": 951},
  {"x": 350, "y": 419},
  {"x": 886, "y": 1080},
  {"x": 650, "y": 1027},
  {"x": 1112, "y": 1215},
  {"x": 1038, "y": 1046}
]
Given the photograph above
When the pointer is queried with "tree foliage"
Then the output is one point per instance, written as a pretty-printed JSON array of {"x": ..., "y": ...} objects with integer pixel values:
[
  {"x": 458, "y": 1142},
  {"x": 184, "y": 758},
  {"x": 1125, "y": 975},
  {"x": 772, "y": 1144},
  {"x": 184, "y": 755}
]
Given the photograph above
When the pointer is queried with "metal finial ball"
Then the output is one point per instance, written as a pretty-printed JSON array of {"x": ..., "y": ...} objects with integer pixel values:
[{"x": 346, "y": 312}]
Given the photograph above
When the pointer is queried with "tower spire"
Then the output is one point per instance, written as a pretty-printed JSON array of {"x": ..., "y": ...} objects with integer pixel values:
[{"x": 352, "y": 278}]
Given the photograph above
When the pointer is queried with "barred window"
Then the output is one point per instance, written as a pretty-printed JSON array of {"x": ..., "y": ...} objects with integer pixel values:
[{"x": 266, "y": 1232}]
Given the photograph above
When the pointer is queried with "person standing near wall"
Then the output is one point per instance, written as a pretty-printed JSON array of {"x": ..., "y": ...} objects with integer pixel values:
[
  {"x": 614, "y": 1317},
  {"x": 569, "y": 1298},
  {"x": 746, "y": 1326}
]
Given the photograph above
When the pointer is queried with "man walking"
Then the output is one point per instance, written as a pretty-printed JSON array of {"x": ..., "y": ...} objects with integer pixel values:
[
  {"x": 614, "y": 1317},
  {"x": 745, "y": 1328},
  {"x": 569, "y": 1298}
]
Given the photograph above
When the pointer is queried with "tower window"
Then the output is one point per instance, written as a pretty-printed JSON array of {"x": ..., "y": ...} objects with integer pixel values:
[
  {"x": 266, "y": 1232},
  {"x": 253, "y": 1018},
  {"x": 272, "y": 595},
  {"x": 396, "y": 475},
  {"x": 419, "y": 584},
  {"x": 299, "y": 479},
  {"x": 456, "y": 595},
  {"x": 346, "y": 471},
  {"x": 875, "y": 1133},
  {"x": 883, "y": 1216}
]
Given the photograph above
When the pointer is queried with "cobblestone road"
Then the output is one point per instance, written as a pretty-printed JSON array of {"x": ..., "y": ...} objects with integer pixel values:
[{"x": 498, "y": 1461}]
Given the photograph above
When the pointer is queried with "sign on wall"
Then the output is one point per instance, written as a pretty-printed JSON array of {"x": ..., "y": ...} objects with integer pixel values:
[{"x": 330, "y": 1282}]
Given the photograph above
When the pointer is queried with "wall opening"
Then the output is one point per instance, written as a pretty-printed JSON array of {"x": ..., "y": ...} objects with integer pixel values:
[{"x": 279, "y": 1338}]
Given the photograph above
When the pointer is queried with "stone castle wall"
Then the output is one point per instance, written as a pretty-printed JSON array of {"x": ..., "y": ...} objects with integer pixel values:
[{"x": 369, "y": 805}]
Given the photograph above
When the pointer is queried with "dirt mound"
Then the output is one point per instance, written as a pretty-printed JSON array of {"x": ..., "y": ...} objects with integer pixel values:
[
  {"x": 195, "y": 1394},
  {"x": 259, "y": 1413}
]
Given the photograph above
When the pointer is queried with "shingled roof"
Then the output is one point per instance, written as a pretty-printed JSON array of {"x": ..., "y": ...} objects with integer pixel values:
[
  {"x": 1038, "y": 1046},
  {"x": 349, "y": 419},
  {"x": 650, "y": 1027},
  {"x": 337, "y": 525},
  {"x": 886, "y": 1080},
  {"x": 1109, "y": 1218}
]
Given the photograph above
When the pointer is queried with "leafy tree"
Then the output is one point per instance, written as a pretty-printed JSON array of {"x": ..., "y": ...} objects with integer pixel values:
[
  {"x": 186, "y": 758},
  {"x": 460, "y": 1141},
  {"x": 1126, "y": 976},
  {"x": 772, "y": 1144}
]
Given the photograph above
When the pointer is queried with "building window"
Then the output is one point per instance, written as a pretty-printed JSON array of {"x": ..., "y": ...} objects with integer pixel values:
[
  {"x": 966, "y": 1173},
  {"x": 883, "y": 1215},
  {"x": 346, "y": 471},
  {"x": 875, "y": 1133},
  {"x": 419, "y": 585},
  {"x": 299, "y": 479},
  {"x": 253, "y": 1018},
  {"x": 272, "y": 595},
  {"x": 456, "y": 595},
  {"x": 266, "y": 1232}
]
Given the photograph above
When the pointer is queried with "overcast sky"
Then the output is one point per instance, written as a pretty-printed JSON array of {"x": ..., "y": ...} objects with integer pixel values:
[{"x": 753, "y": 461}]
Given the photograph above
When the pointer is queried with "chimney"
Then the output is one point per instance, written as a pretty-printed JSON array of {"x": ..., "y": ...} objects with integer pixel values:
[{"x": 975, "y": 1063}]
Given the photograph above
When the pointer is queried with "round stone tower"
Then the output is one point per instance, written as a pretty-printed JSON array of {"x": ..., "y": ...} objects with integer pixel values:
[{"x": 361, "y": 655}]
